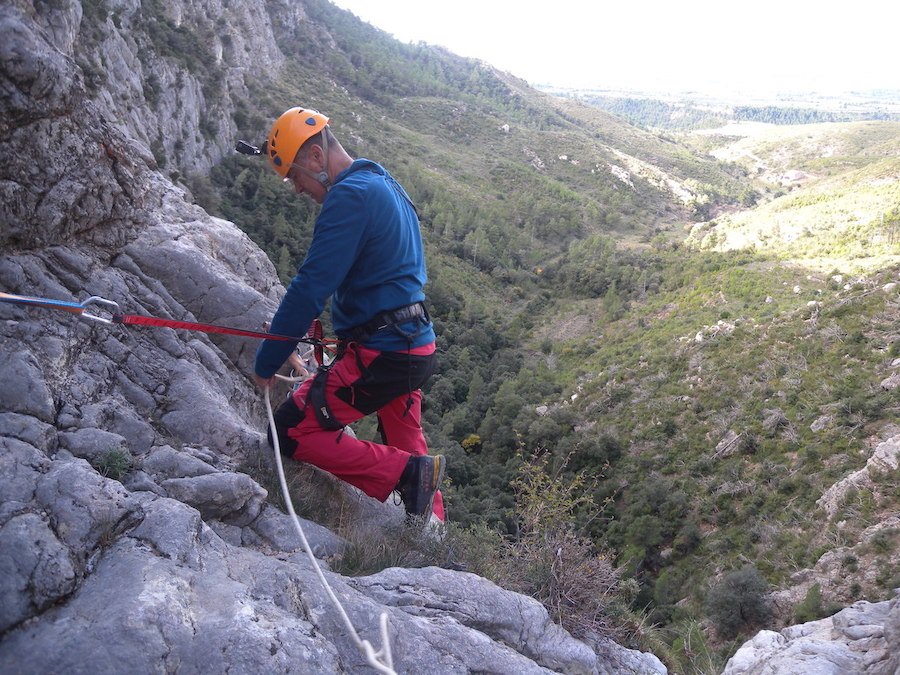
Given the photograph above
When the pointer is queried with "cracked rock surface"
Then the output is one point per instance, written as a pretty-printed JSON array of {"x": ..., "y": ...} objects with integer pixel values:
[{"x": 862, "y": 638}]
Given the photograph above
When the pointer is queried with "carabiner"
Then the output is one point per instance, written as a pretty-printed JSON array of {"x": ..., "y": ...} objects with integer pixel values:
[{"x": 97, "y": 300}]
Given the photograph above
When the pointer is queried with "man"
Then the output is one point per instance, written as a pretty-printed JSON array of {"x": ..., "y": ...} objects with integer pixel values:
[{"x": 367, "y": 254}]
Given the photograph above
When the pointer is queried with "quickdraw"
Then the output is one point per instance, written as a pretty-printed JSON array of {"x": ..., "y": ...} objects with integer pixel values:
[
  {"x": 88, "y": 310},
  {"x": 79, "y": 308}
]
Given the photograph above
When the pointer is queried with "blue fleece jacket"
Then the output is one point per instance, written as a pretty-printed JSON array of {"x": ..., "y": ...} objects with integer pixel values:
[{"x": 367, "y": 254}]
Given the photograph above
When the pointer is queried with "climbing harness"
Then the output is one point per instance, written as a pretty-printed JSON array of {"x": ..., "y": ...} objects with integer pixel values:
[
  {"x": 381, "y": 659},
  {"x": 389, "y": 319}
]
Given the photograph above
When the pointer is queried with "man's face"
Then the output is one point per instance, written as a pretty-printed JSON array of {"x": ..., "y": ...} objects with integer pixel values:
[{"x": 302, "y": 174}]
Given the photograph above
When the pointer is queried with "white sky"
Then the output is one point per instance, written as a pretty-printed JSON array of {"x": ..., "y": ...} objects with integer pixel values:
[{"x": 705, "y": 45}]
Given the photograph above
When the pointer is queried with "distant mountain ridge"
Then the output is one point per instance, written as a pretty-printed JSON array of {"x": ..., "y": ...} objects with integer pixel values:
[
  {"x": 837, "y": 189},
  {"x": 679, "y": 111}
]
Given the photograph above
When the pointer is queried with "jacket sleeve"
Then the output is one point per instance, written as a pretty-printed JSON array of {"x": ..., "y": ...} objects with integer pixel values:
[{"x": 338, "y": 238}]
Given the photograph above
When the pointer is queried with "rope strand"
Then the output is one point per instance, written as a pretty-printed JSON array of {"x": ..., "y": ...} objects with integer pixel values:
[{"x": 381, "y": 660}]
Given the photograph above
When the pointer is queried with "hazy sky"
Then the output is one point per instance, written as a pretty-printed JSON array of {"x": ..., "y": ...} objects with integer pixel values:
[{"x": 688, "y": 44}]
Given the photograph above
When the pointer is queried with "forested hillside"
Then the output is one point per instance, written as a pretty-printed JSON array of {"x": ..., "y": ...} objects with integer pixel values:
[{"x": 679, "y": 404}]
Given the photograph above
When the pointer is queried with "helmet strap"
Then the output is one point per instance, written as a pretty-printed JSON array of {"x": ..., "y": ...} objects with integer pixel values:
[{"x": 323, "y": 174}]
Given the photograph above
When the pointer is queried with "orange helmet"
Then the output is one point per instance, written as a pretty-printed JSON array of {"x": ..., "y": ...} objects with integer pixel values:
[{"x": 289, "y": 132}]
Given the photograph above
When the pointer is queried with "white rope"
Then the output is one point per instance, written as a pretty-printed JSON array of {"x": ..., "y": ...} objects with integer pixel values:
[{"x": 381, "y": 660}]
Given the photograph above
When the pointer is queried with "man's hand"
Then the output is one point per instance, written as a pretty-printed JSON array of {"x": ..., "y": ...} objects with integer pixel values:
[
  {"x": 297, "y": 367},
  {"x": 299, "y": 370},
  {"x": 263, "y": 382}
]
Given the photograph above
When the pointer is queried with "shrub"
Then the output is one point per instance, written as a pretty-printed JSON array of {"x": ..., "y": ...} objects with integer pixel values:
[
  {"x": 114, "y": 464},
  {"x": 668, "y": 587},
  {"x": 738, "y": 602},
  {"x": 888, "y": 577},
  {"x": 691, "y": 650},
  {"x": 688, "y": 538},
  {"x": 471, "y": 443},
  {"x": 883, "y": 540},
  {"x": 811, "y": 608},
  {"x": 368, "y": 551},
  {"x": 748, "y": 444},
  {"x": 551, "y": 561}
]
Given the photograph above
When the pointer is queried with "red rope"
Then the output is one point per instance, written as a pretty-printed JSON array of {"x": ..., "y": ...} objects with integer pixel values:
[
  {"x": 135, "y": 320},
  {"x": 314, "y": 335}
]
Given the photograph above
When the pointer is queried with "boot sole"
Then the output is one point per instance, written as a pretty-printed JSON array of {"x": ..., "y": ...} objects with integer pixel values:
[
  {"x": 437, "y": 476},
  {"x": 439, "y": 466}
]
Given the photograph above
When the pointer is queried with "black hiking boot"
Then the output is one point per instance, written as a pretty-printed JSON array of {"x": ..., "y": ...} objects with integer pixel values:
[{"x": 420, "y": 481}]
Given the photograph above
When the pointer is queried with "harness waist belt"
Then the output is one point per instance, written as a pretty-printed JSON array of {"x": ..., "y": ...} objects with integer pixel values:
[{"x": 387, "y": 319}]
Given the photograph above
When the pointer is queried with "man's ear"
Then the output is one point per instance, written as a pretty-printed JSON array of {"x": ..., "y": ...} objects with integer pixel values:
[
  {"x": 317, "y": 153},
  {"x": 318, "y": 156}
]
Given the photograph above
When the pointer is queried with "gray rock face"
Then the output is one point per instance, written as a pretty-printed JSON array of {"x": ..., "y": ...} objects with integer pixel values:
[
  {"x": 453, "y": 600},
  {"x": 232, "y": 496},
  {"x": 194, "y": 604},
  {"x": 885, "y": 458},
  {"x": 37, "y": 569},
  {"x": 859, "y": 639},
  {"x": 85, "y": 509},
  {"x": 130, "y": 538}
]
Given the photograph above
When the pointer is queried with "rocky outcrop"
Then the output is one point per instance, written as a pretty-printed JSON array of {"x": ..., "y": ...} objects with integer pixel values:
[
  {"x": 885, "y": 458},
  {"x": 864, "y": 566},
  {"x": 131, "y": 538},
  {"x": 172, "y": 595},
  {"x": 862, "y": 638}
]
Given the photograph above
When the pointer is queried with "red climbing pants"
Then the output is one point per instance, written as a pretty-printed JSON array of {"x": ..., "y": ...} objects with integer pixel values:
[{"x": 362, "y": 381}]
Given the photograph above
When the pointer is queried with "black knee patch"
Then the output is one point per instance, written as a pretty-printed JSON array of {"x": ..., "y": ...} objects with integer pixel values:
[{"x": 287, "y": 416}]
